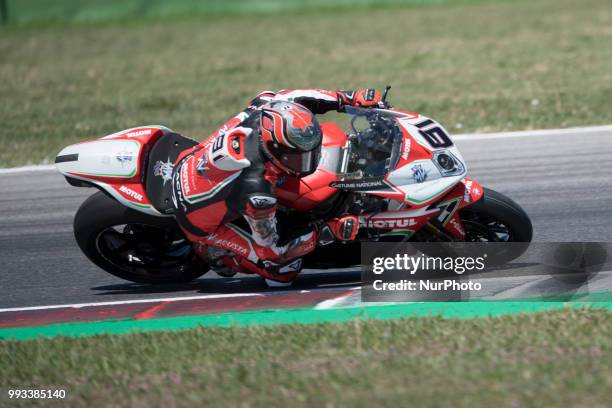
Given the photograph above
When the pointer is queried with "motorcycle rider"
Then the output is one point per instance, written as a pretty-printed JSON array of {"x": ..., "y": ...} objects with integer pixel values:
[{"x": 234, "y": 173}]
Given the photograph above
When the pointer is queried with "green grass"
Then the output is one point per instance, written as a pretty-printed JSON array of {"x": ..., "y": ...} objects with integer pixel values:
[
  {"x": 557, "y": 358},
  {"x": 85, "y": 11},
  {"x": 479, "y": 67}
]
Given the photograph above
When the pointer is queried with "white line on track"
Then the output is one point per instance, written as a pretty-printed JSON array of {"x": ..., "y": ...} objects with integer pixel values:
[
  {"x": 333, "y": 302},
  {"x": 127, "y": 302},
  {"x": 471, "y": 136},
  {"x": 170, "y": 299},
  {"x": 25, "y": 169},
  {"x": 532, "y": 133}
]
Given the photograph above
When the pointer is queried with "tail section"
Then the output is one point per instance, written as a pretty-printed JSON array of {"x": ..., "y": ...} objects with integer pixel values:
[{"x": 116, "y": 164}]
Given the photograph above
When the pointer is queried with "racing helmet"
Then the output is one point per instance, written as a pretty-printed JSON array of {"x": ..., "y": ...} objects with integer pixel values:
[{"x": 291, "y": 137}]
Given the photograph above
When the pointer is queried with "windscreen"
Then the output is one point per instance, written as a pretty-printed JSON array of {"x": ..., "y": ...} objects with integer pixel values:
[{"x": 375, "y": 141}]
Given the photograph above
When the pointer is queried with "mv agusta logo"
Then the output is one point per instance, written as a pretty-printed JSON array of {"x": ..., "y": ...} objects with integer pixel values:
[
  {"x": 164, "y": 170},
  {"x": 389, "y": 223},
  {"x": 419, "y": 174},
  {"x": 124, "y": 157}
]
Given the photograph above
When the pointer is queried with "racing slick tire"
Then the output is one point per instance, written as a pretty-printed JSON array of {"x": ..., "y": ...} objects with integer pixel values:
[
  {"x": 497, "y": 218},
  {"x": 496, "y": 208},
  {"x": 133, "y": 245}
]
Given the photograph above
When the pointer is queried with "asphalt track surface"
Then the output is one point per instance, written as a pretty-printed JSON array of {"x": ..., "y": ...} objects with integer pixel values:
[{"x": 563, "y": 182}]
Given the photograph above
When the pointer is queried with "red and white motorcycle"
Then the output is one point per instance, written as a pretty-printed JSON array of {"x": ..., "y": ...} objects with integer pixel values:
[{"x": 398, "y": 171}]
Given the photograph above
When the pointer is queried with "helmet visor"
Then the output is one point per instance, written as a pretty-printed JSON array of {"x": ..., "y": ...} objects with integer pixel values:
[
  {"x": 308, "y": 138},
  {"x": 300, "y": 163}
]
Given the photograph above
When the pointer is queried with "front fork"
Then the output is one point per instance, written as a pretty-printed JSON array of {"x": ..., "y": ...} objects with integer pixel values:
[{"x": 447, "y": 224}]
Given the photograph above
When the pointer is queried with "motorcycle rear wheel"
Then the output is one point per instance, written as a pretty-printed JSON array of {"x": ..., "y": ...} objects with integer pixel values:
[{"x": 133, "y": 245}]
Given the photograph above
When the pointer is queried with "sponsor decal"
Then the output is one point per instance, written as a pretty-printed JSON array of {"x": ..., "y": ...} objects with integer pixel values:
[
  {"x": 124, "y": 157},
  {"x": 406, "y": 149},
  {"x": 177, "y": 194},
  {"x": 137, "y": 133},
  {"x": 202, "y": 165},
  {"x": 388, "y": 223},
  {"x": 164, "y": 170},
  {"x": 262, "y": 201},
  {"x": 419, "y": 174},
  {"x": 185, "y": 179},
  {"x": 457, "y": 227},
  {"x": 229, "y": 245},
  {"x": 128, "y": 191},
  {"x": 447, "y": 209},
  {"x": 467, "y": 197},
  {"x": 359, "y": 184}
]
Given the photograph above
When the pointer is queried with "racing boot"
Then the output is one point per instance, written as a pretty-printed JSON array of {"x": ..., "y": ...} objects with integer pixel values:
[
  {"x": 221, "y": 261},
  {"x": 282, "y": 276},
  {"x": 276, "y": 284}
]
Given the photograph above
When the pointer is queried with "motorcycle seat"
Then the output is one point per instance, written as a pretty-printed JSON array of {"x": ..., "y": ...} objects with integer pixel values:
[{"x": 158, "y": 176}]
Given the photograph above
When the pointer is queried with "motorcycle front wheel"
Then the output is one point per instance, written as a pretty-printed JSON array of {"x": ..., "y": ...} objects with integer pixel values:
[{"x": 496, "y": 218}]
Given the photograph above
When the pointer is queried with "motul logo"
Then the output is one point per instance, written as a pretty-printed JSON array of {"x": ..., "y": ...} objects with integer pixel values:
[
  {"x": 389, "y": 223},
  {"x": 139, "y": 133},
  {"x": 131, "y": 193}
]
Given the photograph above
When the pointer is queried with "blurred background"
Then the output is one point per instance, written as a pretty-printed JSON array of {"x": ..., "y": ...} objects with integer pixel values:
[{"x": 72, "y": 70}]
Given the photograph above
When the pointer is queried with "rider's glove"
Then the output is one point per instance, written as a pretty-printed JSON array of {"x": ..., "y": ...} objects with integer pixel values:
[
  {"x": 344, "y": 228},
  {"x": 363, "y": 98}
]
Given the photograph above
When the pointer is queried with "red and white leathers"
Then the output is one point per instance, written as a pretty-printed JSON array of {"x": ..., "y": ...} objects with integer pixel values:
[{"x": 228, "y": 176}]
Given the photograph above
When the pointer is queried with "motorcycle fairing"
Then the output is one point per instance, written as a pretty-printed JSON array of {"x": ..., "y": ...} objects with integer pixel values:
[
  {"x": 406, "y": 221},
  {"x": 412, "y": 180},
  {"x": 464, "y": 193},
  {"x": 115, "y": 163},
  {"x": 407, "y": 173},
  {"x": 416, "y": 176}
]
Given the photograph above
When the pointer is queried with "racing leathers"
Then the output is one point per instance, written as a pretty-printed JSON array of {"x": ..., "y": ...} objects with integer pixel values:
[{"x": 228, "y": 176}]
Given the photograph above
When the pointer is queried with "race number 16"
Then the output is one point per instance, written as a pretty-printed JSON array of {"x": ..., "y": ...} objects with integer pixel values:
[{"x": 435, "y": 136}]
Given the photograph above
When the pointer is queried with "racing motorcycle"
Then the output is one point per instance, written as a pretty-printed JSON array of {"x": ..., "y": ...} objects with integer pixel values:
[{"x": 399, "y": 172}]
